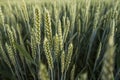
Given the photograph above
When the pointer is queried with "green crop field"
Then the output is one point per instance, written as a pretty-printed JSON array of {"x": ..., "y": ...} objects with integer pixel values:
[{"x": 59, "y": 40}]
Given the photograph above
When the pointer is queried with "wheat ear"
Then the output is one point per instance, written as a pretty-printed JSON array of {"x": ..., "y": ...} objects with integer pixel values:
[
  {"x": 48, "y": 53},
  {"x": 108, "y": 63}
]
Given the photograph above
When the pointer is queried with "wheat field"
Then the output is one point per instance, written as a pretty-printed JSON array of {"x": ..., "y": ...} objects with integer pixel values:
[{"x": 59, "y": 40}]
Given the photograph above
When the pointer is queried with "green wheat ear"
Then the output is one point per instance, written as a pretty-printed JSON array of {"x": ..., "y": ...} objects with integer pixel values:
[
  {"x": 48, "y": 30},
  {"x": 43, "y": 73},
  {"x": 108, "y": 63},
  {"x": 37, "y": 25},
  {"x": 72, "y": 73},
  {"x": 60, "y": 36},
  {"x": 48, "y": 53},
  {"x": 69, "y": 55},
  {"x": 56, "y": 46},
  {"x": 11, "y": 37},
  {"x": 62, "y": 62},
  {"x": 10, "y": 53},
  {"x": 24, "y": 10},
  {"x": 97, "y": 16},
  {"x": 1, "y": 17},
  {"x": 83, "y": 76},
  {"x": 33, "y": 43},
  {"x": 66, "y": 30},
  {"x": 35, "y": 32},
  {"x": 2, "y": 51}
]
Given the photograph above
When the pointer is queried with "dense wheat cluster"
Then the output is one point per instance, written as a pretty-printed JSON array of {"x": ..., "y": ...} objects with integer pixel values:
[{"x": 60, "y": 40}]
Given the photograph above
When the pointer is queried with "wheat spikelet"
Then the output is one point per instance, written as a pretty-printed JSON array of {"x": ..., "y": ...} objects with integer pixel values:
[
  {"x": 79, "y": 27},
  {"x": 72, "y": 73},
  {"x": 2, "y": 52},
  {"x": 63, "y": 19},
  {"x": 24, "y": 10},
  {"x": 14, "y": 33},
  {"x": 18, "y": 30},
  {"x": 14, "y": 37},
  {"x": 69, "y": 55},
  {"x": 33, "y": 43},
  {"x": 108, "y": 63},
  {"x": 60, "y": 36},
  {"x": 10, "y": 53},
  {"x": 97, "y": 15},
  {"x": 83, "y": 76},
  {"x": 62, "y": 61},
  {"x": 66, "y": 30},
  {"x": 11, "y": 37},
  {"x": 87, "y": 7},
  {"x": 10, "y": 7},
  {"x": 73, "y": 15},
  {"x": 1, "y": 17},
  {"x": 56, "y": 46},
  {"x": 56, "y": 12},
  {"x": 48, "y": 30},
  {"x": 43, "y": 73},
  {"x": 87, "y": 3},
  {"x": 37, "y": 25},
  {"x": 35, "y": 32},
  {"x": 48, "y": 54},
  {"x": 4, "y": 56},
  {"x": 98, "y": 55}
]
